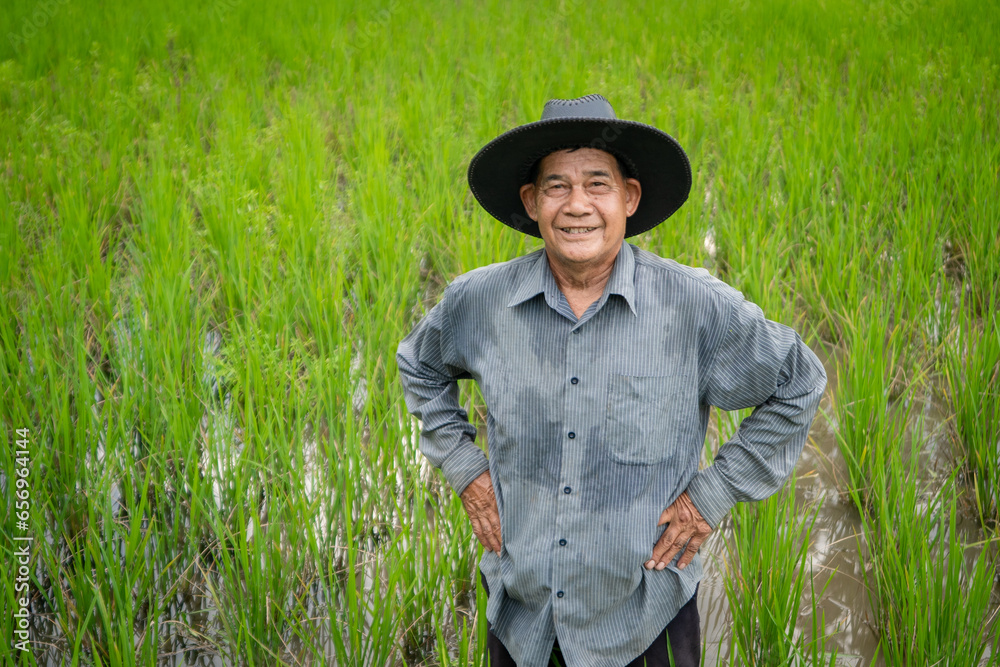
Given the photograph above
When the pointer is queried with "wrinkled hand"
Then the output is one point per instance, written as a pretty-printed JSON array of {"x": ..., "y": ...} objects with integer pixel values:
[
  {"x": 481, "y": 505},
  {"x": 686, "y": 527}
]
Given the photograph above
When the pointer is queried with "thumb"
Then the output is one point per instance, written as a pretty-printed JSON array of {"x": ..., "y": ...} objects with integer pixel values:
[{"x": 666, "y": 516}]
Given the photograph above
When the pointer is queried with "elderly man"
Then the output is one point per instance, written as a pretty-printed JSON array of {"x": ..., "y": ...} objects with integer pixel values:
[{"x": 599, "y": 363}]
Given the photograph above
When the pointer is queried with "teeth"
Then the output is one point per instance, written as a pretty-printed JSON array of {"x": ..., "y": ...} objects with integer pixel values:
[{"x": 579, "y": 230}]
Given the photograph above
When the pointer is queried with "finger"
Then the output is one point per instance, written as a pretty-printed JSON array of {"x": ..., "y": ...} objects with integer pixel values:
[
  {"x": 490, "y": 543},
  {"x": 493, "y": 542},
  {"x": 497, "y": 535},
  {"x": 490, "y": 525},
  {"x": 692, "y": 548},
  {"x": 666, "y": 516},
  {"x": 664, "y": 543},
  {"x": 492, "y": 536},
  {"x": 482, "y": 540},
  {"x": 488, "y": 531},
  {"x": 675, "y": 548},
  {"x": 673, "y": 539},
  {"x": 669, "y": 545},
  {"x": 663, "y": 546},
  {"x": 490, "y": 519},
  {"x": 491, "y": 516},
  {"x": 480, "y": 533}
]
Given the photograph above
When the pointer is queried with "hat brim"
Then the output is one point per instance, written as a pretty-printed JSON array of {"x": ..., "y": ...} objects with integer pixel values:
[{"x": 501, "y": 167}]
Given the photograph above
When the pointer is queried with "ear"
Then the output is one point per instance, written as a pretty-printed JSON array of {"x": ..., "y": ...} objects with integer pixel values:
[
  {"x": 633, "y": 192},
  {"x": 528, "y": 199}
]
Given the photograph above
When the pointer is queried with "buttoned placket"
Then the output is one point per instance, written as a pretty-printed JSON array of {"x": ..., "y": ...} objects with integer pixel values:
[{"x": 573, "y": 438}]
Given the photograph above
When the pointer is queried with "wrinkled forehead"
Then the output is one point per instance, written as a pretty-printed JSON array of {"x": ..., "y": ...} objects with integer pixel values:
[
  {"x": 576, "y": 156},
  {"x": 584, "y": 158}
]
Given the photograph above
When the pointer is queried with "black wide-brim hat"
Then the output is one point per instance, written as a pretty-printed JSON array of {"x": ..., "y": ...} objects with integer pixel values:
[{"x": 652, "y": 156}]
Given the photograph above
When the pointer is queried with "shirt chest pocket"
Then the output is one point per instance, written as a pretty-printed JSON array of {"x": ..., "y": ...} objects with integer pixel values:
[{"x": 646, "y": 417}]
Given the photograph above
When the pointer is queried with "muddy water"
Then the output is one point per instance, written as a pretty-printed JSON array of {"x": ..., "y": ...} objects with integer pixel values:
[{"x": 834, "y": 549}]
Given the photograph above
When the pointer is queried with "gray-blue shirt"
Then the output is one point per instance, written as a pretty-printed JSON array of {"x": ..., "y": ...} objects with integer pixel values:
[{"x": 595, "y": 425}]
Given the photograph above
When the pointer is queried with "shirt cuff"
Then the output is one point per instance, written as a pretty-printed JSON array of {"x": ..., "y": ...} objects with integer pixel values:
[
  {"x": 709, "y": 491},
  {"x": 465, "y": 463}
]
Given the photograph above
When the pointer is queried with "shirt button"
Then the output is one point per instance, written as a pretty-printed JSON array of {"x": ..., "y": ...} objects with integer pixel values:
[
  {"x": 571, "y": 435},
  {"x": 575, "y": 381},
  {"x": 559, "y": 594},
  {"x": 567, "y": 489},
  {"x": 562, "y": 543},
  {"x": 576, "y": 331}
]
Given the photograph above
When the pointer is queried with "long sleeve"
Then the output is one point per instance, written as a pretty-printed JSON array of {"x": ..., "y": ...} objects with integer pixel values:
[
  {"x": 429, "y": 369},
  {"x": 765, "y": 365}
]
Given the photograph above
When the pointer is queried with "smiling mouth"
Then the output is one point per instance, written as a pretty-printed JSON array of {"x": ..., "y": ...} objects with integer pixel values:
[{"x": 578, "y": 230}]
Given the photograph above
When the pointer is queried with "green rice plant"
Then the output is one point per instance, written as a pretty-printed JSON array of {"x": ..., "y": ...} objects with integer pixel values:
[
  {"x": 467, "y": 636},
  {"x": 930, "y": 605},
  {"x": 106, "y": 595},
  {"x": 916, "y": 253},
  {"x": 767, "y": 566},
  {"x": 369, "y": 595},
  {"x": 872, "y": 405},
  {"x": 973, "y": 231},
  {"x": 972, "y": 373},
  {"x": 765, "y": 585}
]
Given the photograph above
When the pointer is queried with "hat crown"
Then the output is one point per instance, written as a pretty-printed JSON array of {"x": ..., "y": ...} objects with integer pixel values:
[{"x": 588, "y": 106}]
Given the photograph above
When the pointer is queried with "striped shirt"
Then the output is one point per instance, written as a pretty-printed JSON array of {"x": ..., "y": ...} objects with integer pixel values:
[{"x": 595, "y": 425}]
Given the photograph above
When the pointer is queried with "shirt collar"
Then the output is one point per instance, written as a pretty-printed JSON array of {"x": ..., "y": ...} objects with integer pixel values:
[
  {"x": 537, "y": 279},
  {"x": 622, "y": 280},
  {"x": 532, "y": 280}
]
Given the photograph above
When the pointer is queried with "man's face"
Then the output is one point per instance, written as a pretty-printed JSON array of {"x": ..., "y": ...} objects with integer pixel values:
[{"x": 580, "y": 202}]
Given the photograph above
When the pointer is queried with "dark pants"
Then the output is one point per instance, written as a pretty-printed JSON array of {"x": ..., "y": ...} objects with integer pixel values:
[{"x": 684, "y": 632}]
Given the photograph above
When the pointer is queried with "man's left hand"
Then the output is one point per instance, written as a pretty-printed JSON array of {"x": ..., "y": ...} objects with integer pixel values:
[{"x": 686, "y": 527}]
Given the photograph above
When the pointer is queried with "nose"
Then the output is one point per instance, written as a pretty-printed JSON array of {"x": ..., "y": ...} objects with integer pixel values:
[{"x": 578, "y": 202}]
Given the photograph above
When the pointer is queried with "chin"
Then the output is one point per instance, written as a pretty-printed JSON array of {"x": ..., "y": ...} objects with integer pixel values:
[{"x": 584, "y": 258}]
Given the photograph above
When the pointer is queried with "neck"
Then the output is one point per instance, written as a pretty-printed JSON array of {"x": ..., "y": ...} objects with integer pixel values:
[{"x": 582, "y": 284}]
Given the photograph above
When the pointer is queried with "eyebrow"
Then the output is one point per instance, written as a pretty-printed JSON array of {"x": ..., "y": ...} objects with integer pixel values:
[{"x": 595, "y": 172}]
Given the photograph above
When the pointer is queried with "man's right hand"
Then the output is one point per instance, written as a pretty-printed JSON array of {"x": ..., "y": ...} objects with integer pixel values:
[{"x": 481, "y": 505}]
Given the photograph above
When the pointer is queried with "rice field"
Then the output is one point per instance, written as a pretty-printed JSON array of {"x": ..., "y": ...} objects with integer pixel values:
[{"x": 218, "y": 219}]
